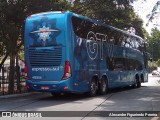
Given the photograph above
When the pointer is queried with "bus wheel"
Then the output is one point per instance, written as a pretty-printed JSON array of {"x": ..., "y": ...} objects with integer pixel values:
[
  {"x": 138, "y": 82},
  {"x": 93, "y": 88},
  {"x": 103, "y": 87}
]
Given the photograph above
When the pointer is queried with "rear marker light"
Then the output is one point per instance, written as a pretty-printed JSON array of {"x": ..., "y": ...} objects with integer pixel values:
[
  {"x": 65, "y": 88},
  {"x": 29, "y": 15},
  {"x": 62, "y": 11}
]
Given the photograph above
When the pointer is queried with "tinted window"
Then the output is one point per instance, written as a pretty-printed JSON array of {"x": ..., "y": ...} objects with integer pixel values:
[
  {"x": 82, "y": 27},
  {"x": 133, "y": 64}
]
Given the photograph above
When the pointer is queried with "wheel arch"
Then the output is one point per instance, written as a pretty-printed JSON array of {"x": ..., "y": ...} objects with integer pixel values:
[{"x": 96, "y": 78}]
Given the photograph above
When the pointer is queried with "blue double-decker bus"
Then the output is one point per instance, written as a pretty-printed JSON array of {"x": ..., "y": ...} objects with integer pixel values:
[{"x": 69, "y": 53}]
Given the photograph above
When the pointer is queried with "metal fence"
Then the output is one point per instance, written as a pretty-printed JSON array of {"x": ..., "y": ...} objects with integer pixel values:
[{"x": 19, "y": 82}]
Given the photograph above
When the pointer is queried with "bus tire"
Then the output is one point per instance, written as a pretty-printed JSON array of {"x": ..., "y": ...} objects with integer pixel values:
[
  {"x": 137, "y": 82},
  {"x": 103, "y": 86},
  {"x": 142, "y": 78},
  {"x": 93, "y": 88}
]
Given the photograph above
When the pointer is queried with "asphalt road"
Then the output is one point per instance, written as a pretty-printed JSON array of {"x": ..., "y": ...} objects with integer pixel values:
[{"x": 146, "y": 98}]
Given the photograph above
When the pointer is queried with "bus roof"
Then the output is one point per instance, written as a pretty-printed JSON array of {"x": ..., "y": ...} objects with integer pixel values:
[
  {"x": 103, "y": 24},
  {"x": 46, "y": 13},
  {"x": 91, "y": 20}
]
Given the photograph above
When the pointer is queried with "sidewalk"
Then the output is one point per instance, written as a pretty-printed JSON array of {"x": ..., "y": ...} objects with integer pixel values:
[{"x": 18, "y": 95}]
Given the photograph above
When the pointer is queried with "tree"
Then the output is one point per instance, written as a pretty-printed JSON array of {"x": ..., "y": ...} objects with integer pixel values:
[
  {"x": 12, "y": 18},
  {"x": 117, "y": 13},
  {"x": 158, "y": 62},
  {"x": 154, "y": 46},
  {"x": 151, "y": 16}
]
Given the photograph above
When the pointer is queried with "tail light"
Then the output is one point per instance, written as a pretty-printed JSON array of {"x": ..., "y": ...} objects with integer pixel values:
[
  {"x": 26, "y": 71},
  {"x": 67, "y": 71}
]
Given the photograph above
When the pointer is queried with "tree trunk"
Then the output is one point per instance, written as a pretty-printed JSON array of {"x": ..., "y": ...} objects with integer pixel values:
[
  {"x": 3, "y": 60},
  {"x": 18, "y": 74},
  {"x": 11, "y": 74},
  {"x": 7, "y": 54}
]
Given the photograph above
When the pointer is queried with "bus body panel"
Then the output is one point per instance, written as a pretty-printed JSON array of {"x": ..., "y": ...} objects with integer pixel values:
[
  {"x": 46, "y": 51},
  {"x": 51, "y": 40}
]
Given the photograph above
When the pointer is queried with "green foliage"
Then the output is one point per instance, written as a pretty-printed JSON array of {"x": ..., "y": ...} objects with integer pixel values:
[
  {"x": 21, "y": 53},
  {"x": 153, "y": 44},
  {"x": 153, "y": 15},
  {"x": 158, "y": 62},
  {"x": 152, "y": 65},
  {"x": 117, "y": 13}
]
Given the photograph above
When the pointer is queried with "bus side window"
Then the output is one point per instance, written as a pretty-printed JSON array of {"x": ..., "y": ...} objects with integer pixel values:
[
  {"x": 119, "y": 64},
  {"x": 139, "y": 65},
  {"x": 119, "y": 67},
  {"x": 110, "y": 63}
]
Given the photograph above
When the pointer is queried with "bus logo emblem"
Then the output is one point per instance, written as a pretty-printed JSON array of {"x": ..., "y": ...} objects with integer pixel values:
[{"x": 44, "y": 33}]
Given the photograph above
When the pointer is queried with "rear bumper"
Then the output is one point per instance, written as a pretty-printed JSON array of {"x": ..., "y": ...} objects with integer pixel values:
[{"x": 55, "y": 86}]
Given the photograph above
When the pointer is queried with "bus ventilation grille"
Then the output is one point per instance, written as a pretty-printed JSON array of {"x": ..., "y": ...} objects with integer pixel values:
[{"x": 45, "y": 57}]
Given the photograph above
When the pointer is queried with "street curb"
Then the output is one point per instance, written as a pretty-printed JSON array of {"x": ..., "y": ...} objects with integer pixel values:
[{"x": 18, "y": 95}]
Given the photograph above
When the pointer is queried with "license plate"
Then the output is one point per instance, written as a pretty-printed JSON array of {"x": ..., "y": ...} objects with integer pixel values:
[{"x": 45, "y": 88}]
